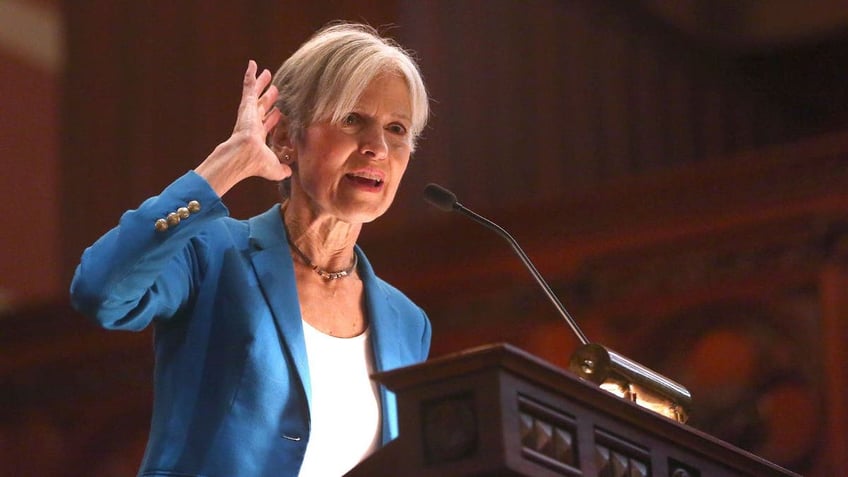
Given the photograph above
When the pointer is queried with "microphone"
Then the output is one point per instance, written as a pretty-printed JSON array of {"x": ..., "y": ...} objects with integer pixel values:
[
  {"x": 440, "y": 197},
  {"x": 611, "y": 371}
]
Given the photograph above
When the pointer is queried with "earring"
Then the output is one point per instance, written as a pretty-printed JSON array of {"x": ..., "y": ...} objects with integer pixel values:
[{"x": 287, "y": 158}]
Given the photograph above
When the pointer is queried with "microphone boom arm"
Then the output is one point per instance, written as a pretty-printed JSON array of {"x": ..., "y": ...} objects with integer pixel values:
[{"x": 527, "y": 263}]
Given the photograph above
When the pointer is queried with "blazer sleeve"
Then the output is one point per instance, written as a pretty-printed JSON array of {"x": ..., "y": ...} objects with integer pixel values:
[{"x": 135, "y": 273}]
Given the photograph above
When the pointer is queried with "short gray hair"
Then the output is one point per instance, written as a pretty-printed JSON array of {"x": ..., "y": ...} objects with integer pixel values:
[{"x": 325, "y": 77}]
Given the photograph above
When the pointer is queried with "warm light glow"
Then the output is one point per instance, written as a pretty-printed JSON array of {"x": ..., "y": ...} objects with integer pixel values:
[{"x": 645, "y": 399}]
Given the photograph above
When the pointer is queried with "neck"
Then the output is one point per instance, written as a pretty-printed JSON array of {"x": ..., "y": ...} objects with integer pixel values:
[{"x": 325, "y": 242}]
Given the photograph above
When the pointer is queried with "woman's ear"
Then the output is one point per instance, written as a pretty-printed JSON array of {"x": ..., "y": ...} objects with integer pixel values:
[{"x": 279, "y": 140}]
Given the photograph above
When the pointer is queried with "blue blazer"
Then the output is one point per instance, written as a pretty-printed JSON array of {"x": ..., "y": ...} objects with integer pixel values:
[{"x": 231, "y": 386}]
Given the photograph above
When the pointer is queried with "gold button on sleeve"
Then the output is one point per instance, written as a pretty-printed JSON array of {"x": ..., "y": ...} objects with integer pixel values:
[
  {"x": 173, "y": 219},
  {"x": 183, "y": 212},
  {"x": 194, "y": 207},
  {"x": 161, "y": 225}
]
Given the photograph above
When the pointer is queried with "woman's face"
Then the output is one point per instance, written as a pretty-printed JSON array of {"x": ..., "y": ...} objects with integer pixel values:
[{"x": 351, "y": 170}]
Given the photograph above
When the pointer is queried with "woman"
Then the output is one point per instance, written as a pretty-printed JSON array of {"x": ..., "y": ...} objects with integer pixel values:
[{"x": 267, "y": 329}]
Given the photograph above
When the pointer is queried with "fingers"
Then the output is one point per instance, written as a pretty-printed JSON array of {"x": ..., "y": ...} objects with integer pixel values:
[
  {"x": 248, "y": 93},
  {"x": 271, "y": 120},
  {"x": 267, "y": 100},
  {"x": 257, "y": 99},
  {"x": 263, "y": 80},
  {"x": 251, "y": 70},
  {"x": 253, "y": 85},
  {"x": 250, "y": 74}
]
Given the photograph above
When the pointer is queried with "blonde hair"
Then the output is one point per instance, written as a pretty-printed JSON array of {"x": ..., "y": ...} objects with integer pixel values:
[{"x": 325, "y": 77}]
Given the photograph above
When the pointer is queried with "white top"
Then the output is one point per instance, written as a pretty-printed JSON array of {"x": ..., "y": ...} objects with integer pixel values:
[{"x": 345, "y": 411}]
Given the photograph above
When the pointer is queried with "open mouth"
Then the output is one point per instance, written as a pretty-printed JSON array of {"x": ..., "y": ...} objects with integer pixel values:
[{"x": 364, "y": 181}]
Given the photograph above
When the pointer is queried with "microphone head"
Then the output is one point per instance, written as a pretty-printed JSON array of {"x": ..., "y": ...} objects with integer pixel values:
[{"x": 440, "y": 197}]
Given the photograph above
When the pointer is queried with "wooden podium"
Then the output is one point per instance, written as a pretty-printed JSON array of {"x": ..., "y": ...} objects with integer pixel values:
[{"x": 499, "y": 411}]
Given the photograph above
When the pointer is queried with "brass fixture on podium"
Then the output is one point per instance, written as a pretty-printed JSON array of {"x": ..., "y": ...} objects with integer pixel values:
[
  {"x": 593, "y": 362},
  {"x": 631, "y": 381}
]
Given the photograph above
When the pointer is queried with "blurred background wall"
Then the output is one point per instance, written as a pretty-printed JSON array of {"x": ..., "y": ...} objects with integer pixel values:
[{"x": 678, "y": 170}]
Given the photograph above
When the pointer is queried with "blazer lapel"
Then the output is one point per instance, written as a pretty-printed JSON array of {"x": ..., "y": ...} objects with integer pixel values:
[
  {"x": 382, "y": 316},
  {"x": 385, "y": 343},
  {"x": 274, "y": 268}
]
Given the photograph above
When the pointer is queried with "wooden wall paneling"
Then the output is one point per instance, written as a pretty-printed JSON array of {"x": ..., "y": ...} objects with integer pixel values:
[
  {"x": 517, "y": 143},
  {"x": 834, "y": 285},
  {"x": 647, "y": 120},
  {"x": 422, "y": 31},
  {"x": 507, "y": 142},
  {"x": 30, "y": 65},
  {"x": 632, "y": 95},
  {"x": 152, "y": 51},
  {"x": 581, "y": 86},
  {"x": 94, "y": 176},
  {"x": 475, "y": 145},
  {"x": 710, "y": 126},
  {"x": 680, "y": 145},
  {"x": 162, "y": 57},
  {"x": 615, "y": 83},
  {"x": 437, "y": 158},
  {"x": 471, "y": 132},
  {"x": 710, "y": 102},
  {"x": 547, "y": 65},
  {"x": 741, "y": 120},
  {"x": 76, "y": 397}
]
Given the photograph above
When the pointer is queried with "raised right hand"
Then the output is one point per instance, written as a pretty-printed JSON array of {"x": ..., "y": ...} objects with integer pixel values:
[{"x": 245, "y": 153}]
